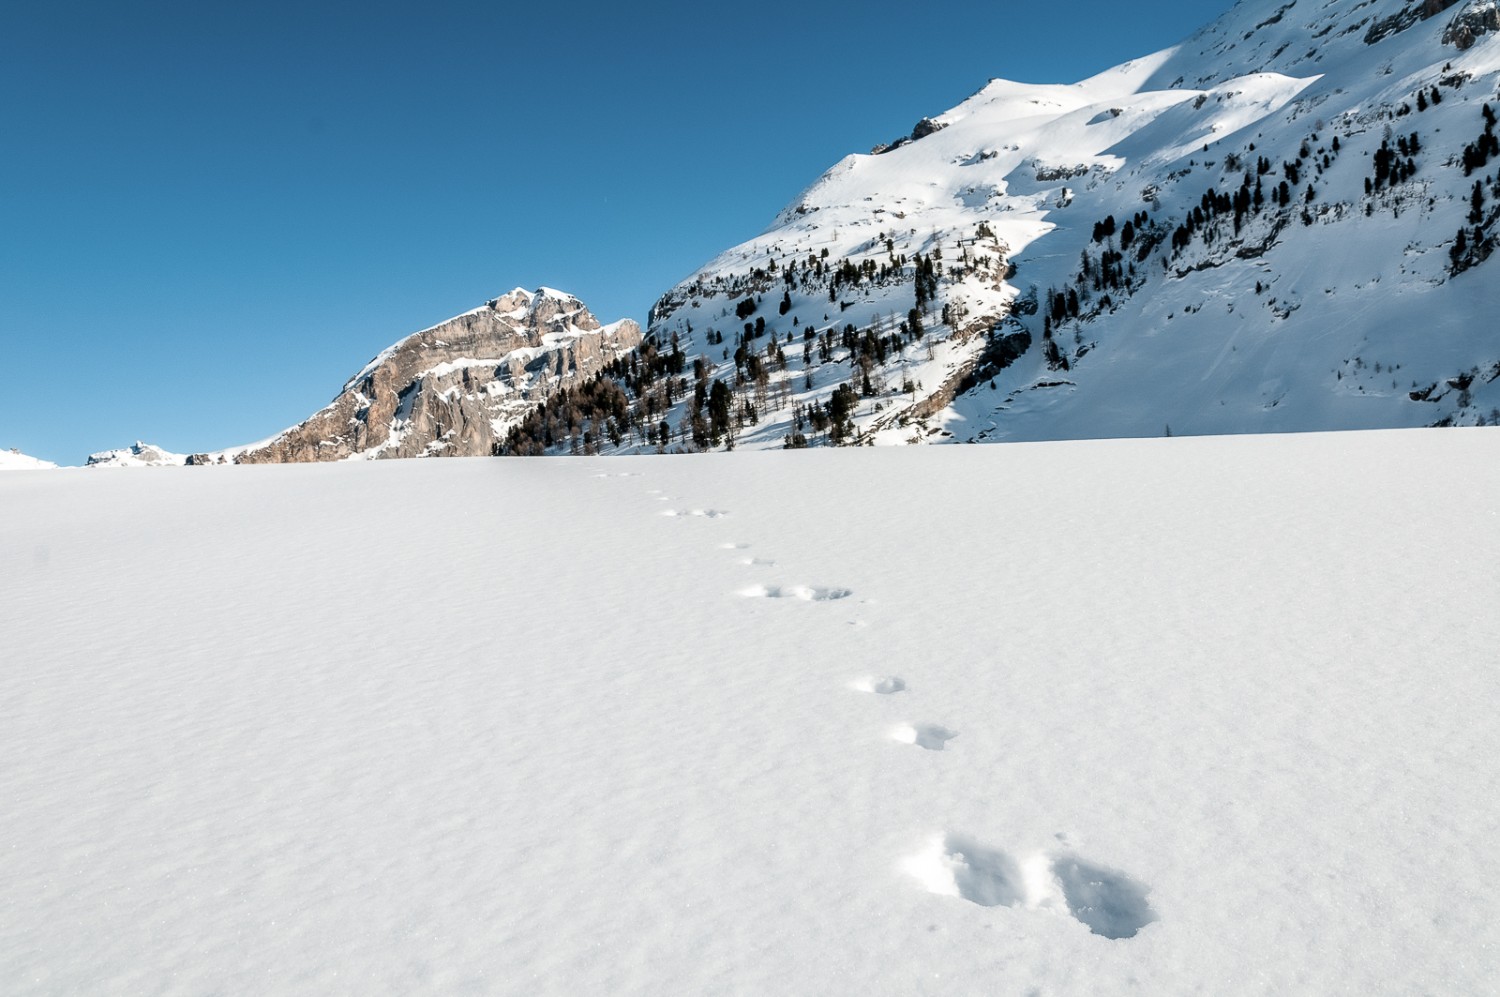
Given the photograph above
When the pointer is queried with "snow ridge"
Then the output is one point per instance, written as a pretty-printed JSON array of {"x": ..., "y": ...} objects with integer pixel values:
[{"x": 15, "y": 460}]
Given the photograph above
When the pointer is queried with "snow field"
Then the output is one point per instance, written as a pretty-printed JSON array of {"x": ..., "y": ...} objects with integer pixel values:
[{"x": 1223, "y": 713}]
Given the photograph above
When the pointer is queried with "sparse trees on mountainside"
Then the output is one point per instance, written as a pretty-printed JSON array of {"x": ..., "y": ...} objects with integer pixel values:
[{"x": 841, "y": 407}]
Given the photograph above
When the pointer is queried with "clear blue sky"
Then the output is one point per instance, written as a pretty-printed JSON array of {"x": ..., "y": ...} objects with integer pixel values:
[{"x": 211, "y": 214}]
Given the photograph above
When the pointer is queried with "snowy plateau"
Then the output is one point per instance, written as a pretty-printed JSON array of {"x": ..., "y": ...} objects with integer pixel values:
[
  {"x": 1186, "y": 716},
  {"x": 1093, "y": 712}
]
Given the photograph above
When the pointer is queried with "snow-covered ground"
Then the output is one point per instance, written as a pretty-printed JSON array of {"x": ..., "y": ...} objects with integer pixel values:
[
  {"x": 15, "y": 460},
  {"x": 1208, "y": 716}
]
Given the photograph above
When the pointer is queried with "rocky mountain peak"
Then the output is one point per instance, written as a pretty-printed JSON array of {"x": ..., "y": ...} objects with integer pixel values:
[{"x": 454, "y": 388}]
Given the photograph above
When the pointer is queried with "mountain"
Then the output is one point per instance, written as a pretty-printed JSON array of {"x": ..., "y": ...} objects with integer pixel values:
[
  {"x": 450, "y": 390},
  {"x": 1282, "y": 224},
  {"x": 15, "y": 460}
]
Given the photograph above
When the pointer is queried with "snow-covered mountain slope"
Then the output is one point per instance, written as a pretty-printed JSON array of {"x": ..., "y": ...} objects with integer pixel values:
[
  {"x": 15, "y": 460},
  {"x": 1257, "y": 230},
  {"x": 453, "y": 389},
  {"x": 1218, "y": 720}
]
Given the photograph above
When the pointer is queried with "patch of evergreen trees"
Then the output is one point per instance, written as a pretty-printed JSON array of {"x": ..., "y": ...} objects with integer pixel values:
[{"x": 1478, "y": 153}]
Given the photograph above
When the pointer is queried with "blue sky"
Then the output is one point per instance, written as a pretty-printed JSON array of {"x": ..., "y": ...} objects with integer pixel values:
[{"x": 212, "y": 214}]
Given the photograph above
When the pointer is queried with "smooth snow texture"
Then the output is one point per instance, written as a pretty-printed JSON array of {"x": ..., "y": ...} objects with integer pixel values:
[
  {"x": 15, "y": 460},
  {"x": 1226, "y": 713}
]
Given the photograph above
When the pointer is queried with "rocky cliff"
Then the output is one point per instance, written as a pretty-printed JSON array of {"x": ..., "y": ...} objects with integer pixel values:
[{"x": 454, "y": 389}]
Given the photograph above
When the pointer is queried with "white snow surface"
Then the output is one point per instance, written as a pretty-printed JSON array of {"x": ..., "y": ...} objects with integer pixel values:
[
  {"x": 1216, "y": 716},
  {"x": 15, "y": 460}
]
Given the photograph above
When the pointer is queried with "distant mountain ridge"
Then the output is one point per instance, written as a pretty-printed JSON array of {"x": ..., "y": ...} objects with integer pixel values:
[{"x": 1280, "y": 225}]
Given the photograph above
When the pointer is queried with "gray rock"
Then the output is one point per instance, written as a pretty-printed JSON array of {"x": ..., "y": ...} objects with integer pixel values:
[
  {"x": 1477, "y": 18},
  {"x": 455, "y": 389},
  {"x": 926, "y": 127}
]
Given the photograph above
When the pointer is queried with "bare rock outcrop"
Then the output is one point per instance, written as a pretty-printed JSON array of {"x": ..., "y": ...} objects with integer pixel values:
[
  {"x": 1478, "y": 17},
  {"x": 456, "y": 388},
  {"x": 1394, "y": 24}
]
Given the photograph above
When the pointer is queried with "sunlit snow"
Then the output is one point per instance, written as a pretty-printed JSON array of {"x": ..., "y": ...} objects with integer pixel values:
[{"x": 1215, "y": 716}]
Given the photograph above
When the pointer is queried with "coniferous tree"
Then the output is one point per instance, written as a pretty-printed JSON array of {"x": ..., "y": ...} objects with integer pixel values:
[{"x": 1460, "y": 248}]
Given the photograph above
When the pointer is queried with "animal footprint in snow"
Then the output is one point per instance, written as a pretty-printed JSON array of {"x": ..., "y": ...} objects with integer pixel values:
[
  {"x": 733, "y": 546},
  {"x": 957, "y": 867},
  {"x": 929, "y": 736},
  {"x": 806, "y": 593},
  {"x": 694, "y": 513},
  {"x": 882, "y": 686},
  {"x": 1108, "y": 902},
  {"x": 758, "y": 562}
]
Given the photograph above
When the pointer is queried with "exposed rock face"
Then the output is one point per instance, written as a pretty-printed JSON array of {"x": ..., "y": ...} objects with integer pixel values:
[
  {"x": 1479, "y": 17},
  {"x": 923, "y": 128},
  {"x": 454, "y": 389},
  {"x": 1405, "y": 18}
]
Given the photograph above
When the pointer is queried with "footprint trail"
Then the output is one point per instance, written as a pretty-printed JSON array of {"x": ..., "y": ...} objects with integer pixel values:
[
  {"x": 805, "y": 593},
  {"x": 889, "y": 685},
  {"x": 928, "y": 736},
  {"x": 1106, "y": 901}
]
